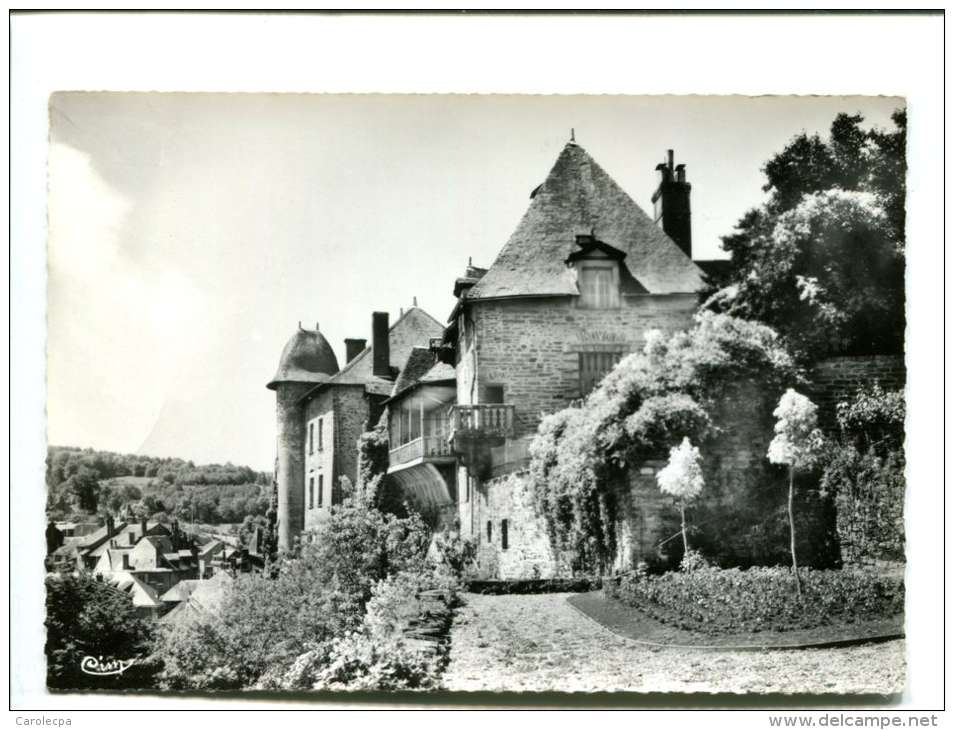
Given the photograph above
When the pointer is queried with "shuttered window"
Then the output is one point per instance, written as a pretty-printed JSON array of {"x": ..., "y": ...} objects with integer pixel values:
[
  {"x": 593, "y": 366},
  {"x": 599, "y": 288}
]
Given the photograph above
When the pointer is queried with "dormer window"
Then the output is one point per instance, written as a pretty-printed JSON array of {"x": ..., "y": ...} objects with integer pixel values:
[
  {"x": 598, "y": 277},
  {"x": 598, "y": 282}
]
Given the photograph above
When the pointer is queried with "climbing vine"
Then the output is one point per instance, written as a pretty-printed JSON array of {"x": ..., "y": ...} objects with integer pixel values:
[{"x": 642, "y": 408}]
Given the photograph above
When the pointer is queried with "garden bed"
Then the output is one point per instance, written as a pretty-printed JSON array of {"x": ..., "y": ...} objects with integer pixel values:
[
  {"x": 758, "y": 606},
  {"x": 532, "y": 585},
  {"x": 633, "y": 623}
]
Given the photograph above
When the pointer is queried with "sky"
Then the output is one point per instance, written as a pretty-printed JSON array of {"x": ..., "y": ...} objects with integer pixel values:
[{"x": 191, "y": 233}]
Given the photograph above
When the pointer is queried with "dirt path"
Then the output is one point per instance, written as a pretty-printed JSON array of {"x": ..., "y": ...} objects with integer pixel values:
[{"x": 540, "y": 643}]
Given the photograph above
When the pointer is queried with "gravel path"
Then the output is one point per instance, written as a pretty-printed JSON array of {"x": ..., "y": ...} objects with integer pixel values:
[{"x": 540, "y": 643}]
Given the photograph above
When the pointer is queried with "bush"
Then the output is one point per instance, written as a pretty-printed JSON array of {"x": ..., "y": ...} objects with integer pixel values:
[
  {"x": 377, "y": 656},
  {"x": 305, "y": 601},
  {"x": 864, "y": 470},
  {"x": 88, "y": 616},
  {"x": 717, "y": 601},
  {"x": 648, "y": 403}
]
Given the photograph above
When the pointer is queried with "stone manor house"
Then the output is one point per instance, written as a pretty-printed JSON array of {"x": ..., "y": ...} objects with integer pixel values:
[{"x": 585, "y": 274}]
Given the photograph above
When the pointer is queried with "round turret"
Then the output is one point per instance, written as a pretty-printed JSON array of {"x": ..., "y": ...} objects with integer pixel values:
[{"x": 307, "y": 358}]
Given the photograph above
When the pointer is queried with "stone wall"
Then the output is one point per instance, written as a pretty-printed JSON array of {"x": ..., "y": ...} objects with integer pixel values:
[
  {"x": 528, "y": 553},
  {"x": 351, "y": 420},
  {"x": 839, "y": 378}
]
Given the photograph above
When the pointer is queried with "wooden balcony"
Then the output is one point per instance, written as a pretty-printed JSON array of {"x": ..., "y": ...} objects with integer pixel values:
[{"x": 425, "y": 448}]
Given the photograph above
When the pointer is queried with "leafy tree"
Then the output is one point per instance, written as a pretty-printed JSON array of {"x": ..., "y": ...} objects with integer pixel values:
[
  {"x": 797, "y": 444},
  {"x": 682, "y": 478},
  {"x": 84, "y": 486},
  {"x": 86, "y": 616},
  {"x": 822, "y": 261}
]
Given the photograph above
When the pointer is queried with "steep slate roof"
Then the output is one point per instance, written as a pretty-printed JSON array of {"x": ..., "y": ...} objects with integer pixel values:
[
  {"x": 414, "y": 327},
  {"x": 417, "y": 364},
  {"x": 579, "y": 197}
]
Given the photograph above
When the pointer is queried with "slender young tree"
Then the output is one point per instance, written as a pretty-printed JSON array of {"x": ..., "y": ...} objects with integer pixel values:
[
  {"x": 682, "y": 478},
  {"x": 797, "y": 444}
]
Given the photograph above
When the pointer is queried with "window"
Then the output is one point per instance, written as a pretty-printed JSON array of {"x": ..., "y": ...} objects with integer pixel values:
[
  {"x": 493, "y": 394},
  {"x": 593, "y": 366},
  {"x": 321, "y": 433},
  {"x": 321, "y": 489},
  {"x": 311, "y": 493},
  {"x": 490, "y": 531},
  {"x": 311, "y": 438},
  {"x": 599, "y": 286},
  {"x": 504, "y": 534}
]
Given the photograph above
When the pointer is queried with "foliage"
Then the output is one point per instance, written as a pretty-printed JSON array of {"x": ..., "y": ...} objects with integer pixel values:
[
  {"x": 693, "y": 560},
  {"x": 823, "y": 260},
  {"x": 797, "y": 443},
  {"x": 682, "y": 476},
  {"x": 140, "y": 487},
  {"x": 717, "y": 601},
  {"x": 378, "y": 657},
  {"x": 373, "y": 453},
  {"x": 458, "y": 555},
  {"x": 798, "y": 440},
  {"x": 864, "y": 470},
  {"x": 308, "y": 598},
  {"x": 648, "y": 403},
  {"x": 86, "y": 616}
]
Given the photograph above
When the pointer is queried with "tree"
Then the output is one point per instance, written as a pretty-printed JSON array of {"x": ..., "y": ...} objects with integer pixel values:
[
  {"x": 84, "y": 486},
  {"x": 86, "y": 616},
  {"x": 682, "y": 478},
  {"x": 822, "y": 261},
  {"x": 797, "y": 443}
]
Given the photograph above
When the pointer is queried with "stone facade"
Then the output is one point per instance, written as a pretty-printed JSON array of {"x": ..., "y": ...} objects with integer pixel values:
[{"x": 532, "y": 347}]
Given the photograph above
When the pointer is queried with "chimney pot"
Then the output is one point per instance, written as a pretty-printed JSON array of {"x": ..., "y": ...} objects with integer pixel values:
[
  {"x": 381, "y": 348},
  {"x": 670, "y": 158}
]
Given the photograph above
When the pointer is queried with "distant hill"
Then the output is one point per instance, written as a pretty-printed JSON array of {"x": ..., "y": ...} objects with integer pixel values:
[{"x": 86, "y": 481}]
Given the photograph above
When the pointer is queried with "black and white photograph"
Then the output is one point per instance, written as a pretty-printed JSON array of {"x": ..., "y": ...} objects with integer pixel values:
[{"x": 450, "y": 395}]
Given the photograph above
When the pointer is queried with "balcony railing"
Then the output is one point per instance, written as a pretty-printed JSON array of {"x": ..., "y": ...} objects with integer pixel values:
[
  {"x": 492, "y": 419},
  {"x": 430, "y": 447}
]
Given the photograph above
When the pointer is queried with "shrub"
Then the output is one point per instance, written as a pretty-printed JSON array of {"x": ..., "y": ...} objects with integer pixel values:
[
  {"x": 717, "y": 601},
  {"x": 648, "y": 403},
  {"x": 86, "y": 615},
  {"x": 306, "y": 600},
  {"x": 865, "y": 472}
]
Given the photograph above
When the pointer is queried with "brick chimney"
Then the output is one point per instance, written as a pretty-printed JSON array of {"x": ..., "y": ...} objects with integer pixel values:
[
  {"x": 110, "y": 526},
  {"x": 671, "y": 203},
  {"x": 381, "y": 347},
  {"x": 354, "y": 347}
]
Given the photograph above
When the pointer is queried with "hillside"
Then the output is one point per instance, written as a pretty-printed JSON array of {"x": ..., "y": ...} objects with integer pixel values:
[{"x": 82, "y": 482}]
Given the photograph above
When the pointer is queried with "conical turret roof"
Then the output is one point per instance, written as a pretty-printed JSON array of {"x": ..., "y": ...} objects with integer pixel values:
[{"x": 307, "y": 358}]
